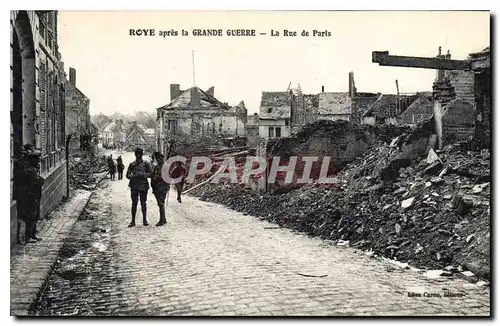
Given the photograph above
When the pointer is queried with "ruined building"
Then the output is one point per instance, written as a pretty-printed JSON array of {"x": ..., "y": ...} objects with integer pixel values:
[
  {"x": 37, "y": 104},
  {"x": 461, "y": 94},
  {"x": 78, "y": 124},
  {"x": 195, "y": 117},
  {"x": 253, "y": 130},
  {"x": 284, "y": 113},
  {"x": 387, "y": 108},
  {"x": 113, "y": 134},
  {"x": 137, "y": 137}
]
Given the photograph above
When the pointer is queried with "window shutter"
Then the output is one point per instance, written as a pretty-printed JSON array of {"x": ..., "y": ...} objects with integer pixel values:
[{"x": 42, "y": 76}]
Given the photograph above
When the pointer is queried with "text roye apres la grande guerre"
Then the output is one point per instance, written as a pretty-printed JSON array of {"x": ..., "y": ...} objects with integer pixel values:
[
  {"x": 151, "y": 32},
  {"x": 254, "y": 165}
]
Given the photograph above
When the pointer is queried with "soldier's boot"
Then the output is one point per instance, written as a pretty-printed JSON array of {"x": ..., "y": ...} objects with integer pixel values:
[
  {"x": 163, "y": 220},
  {"x": 134, "y": 211},
  {"x": 144, "y": 212}
]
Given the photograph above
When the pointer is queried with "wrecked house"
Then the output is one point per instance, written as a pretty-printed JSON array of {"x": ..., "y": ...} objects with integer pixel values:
[
  {"x": 464, "y": 84},
  {"x": 113, "y": 134},
  {"x": 457, "y": 92},
  {"x": 419, "y": 111},
  {"x": 194, "y": 116},
  {"x": 285, "y": 113},
  {"x": 334, "y": 106},
  {"x": 77, "y": 123},
  {"x": 275, "y": 113},
  {"x": 387, "y": 108},
  {"x": 361, "y": 102},
  {"x": 136, "y": 137}
]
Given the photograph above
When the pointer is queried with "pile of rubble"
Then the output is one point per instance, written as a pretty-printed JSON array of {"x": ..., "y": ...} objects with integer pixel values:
[
  {"x": 85, "y": 171},
  {"x": 430, "y": 209}
]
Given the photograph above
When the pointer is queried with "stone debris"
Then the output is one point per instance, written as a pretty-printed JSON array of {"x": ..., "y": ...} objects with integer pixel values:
[
  {"x": 383, "y": 202},
  {"x": 468, "y": 274},
  {"x": 85, "y": 170},
  {"x": 407, "y": 202}
]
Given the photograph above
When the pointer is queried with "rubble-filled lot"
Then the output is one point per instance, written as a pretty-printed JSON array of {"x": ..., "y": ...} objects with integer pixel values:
[
  {"x": 86, "y": 170},
  {"x": 428, "y": 208}
]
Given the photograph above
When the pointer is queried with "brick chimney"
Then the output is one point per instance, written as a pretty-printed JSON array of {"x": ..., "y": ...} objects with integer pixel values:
[
  {"x": 195, "y": 102},
  {"x": 175, "y": 91},
  {"x": 72, "y": 76},
  {"x": 211, "y": 91},
  {"x": 440, "y": 74}
]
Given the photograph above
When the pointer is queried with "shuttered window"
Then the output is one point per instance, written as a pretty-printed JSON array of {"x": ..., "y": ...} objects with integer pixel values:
[{"x": 42, "y": 82}]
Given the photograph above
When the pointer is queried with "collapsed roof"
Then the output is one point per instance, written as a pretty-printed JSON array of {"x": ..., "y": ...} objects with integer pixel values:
[
  {"x": 275, "y": 105},
  {"x": 183, "y": 101}
]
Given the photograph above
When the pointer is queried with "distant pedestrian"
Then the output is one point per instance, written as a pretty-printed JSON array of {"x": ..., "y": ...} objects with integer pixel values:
[
  {"x": 112, "y": 168},
  {"x": 28, "y": 190},
  {"x": 120, "y": 167},
  {"x": 179, "y": 170},
  {"x": 160, "y": 187},
  {"x": 138, "y": 173}
]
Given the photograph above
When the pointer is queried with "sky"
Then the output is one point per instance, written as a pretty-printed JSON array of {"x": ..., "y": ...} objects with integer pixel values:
[{"x": 124, "y": 73}]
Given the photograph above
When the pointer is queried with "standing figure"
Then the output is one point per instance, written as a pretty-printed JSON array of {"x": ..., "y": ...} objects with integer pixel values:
[
  {"x": 160, "y": 187},
  {"x": 138, "y": 173},
  {"x": 28, "y": 192},
  {"x": 109, "y": 161},
  {"x": 112, "y": 169},
  {"x": 120, "y": 167},
  {"x": 179, "y": 170}
]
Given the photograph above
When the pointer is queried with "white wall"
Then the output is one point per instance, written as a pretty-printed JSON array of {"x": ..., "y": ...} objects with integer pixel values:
[{"x": 265, "y": 124}]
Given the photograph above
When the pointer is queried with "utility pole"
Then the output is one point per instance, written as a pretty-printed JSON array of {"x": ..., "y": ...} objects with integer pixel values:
[
  {"x": 194, "y": 80},
  {"x": 397, "y": 98}
]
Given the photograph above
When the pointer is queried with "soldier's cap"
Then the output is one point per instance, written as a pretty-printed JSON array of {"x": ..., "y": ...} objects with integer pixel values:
[{"x": 138, "y": 150}]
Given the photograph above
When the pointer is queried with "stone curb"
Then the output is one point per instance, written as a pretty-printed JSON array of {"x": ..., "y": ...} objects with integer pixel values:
[{"x": 32, "y": 266}]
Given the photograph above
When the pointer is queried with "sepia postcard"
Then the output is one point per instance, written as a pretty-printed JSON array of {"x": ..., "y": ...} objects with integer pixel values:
[{"x": 250, "y": 163}]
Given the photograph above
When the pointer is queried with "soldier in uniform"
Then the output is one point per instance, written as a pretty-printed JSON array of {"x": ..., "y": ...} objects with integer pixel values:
[
  {"x": 179, "y": 170},
  {"x": 120, "y": 167},
  {"x": 112, "y": 169},
  {"x": 29, "y": 190},
  {"x": 160, "y": 187},
  {"x": 138, "y": 173}
]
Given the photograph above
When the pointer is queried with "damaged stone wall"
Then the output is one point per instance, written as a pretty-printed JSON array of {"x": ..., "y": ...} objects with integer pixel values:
[
  {"x": 205, "y": 126},
  {"x": 458, "y": 122},
  {"x": 252, "y": 130},
  {"x": 462, "y": 83},
  {"x": 482, "y": 91},
  {"x": 77, "y": 121},
  {"x": 340, "y": 140},
  {"x": 360, "y": 104}
]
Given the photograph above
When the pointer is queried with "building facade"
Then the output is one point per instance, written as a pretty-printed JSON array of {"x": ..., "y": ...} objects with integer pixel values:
[
  {"x": 113, "y": 134},
  {"x": 137, "y": 137},
  {"x": 78, "y": 124},
  {"x": 275, "y": 113},
  {"x": 194, "y": 116},
  {"x": 284, "y": 113},
  {"x": 37, "y": 104}
]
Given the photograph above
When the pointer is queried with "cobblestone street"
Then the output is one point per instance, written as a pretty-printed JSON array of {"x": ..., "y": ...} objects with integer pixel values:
[{"x": 209, "y": 260}]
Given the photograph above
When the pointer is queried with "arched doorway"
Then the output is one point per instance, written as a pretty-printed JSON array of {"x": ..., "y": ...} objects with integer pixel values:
[
  {"x": 23, "y": 106},
  {"x": 23, "y": 84}
]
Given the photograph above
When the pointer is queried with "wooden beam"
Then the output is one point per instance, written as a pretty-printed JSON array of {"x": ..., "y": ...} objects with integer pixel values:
[{"x": 384, "y": 59}]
